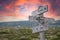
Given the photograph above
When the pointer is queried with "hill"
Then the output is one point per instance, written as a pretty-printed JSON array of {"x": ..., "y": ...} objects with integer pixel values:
[{"x": 24, "y": 23}]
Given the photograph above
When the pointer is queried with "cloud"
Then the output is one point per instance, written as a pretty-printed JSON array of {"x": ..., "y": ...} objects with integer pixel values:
[
  {"x": 7, "y": 5},
  {"x": 18, "y": 9},
  {"x": 55, "y": 6}
]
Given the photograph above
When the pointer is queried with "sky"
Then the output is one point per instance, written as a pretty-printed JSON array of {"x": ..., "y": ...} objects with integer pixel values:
[{"x": 19, "y": 10}]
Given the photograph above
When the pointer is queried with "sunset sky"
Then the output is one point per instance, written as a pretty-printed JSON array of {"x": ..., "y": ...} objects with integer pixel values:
[{"x": 19, "y": 10}]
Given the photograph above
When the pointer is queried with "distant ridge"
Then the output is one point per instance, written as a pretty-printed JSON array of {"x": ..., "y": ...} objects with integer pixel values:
[
  {"x": 16, "y": 23},
  {"x": 23, "y": 23}
]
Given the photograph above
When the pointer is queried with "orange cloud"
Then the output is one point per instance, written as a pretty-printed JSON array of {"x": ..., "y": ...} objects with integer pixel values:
[
  {"x": 50, "y": 12},
  {"x": 29, "y": 5}
]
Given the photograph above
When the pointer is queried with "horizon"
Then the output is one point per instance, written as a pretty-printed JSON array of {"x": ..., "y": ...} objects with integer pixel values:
[{"x": 20, "y": 20}]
